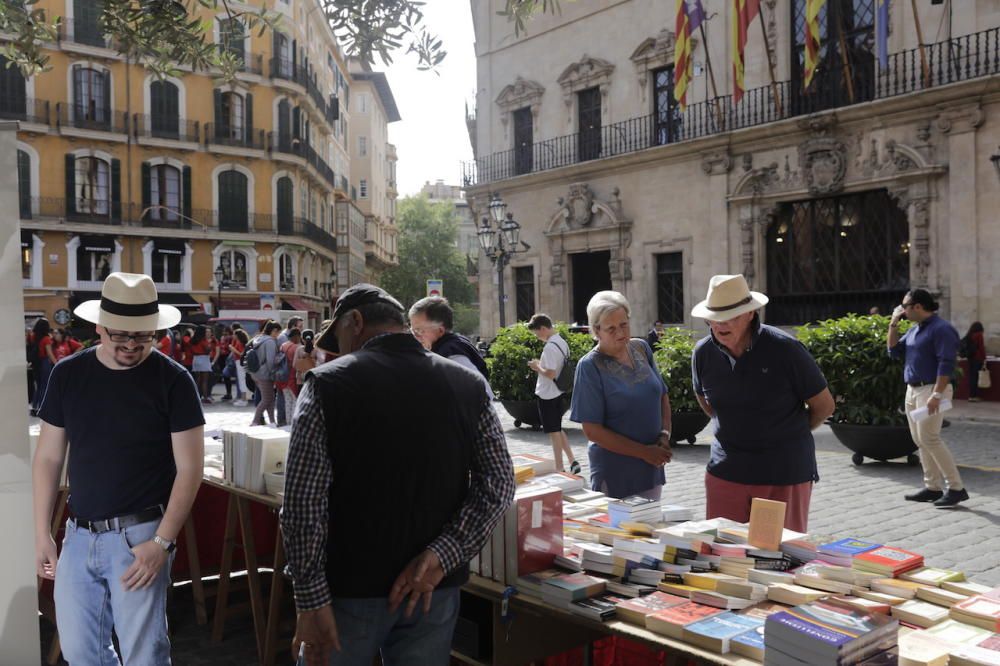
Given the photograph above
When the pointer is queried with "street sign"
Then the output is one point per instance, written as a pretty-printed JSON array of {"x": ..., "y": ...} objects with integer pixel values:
[{"x": 435, "y": 287}]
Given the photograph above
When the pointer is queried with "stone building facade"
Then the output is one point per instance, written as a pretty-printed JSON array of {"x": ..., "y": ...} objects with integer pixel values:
[{"x": 832, "y": 199}]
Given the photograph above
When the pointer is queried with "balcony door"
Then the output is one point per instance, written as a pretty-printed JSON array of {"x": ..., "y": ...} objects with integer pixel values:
[
  {"x": 589, "y": 121},
  {"x": 13, "y": 97},
  {"x": 523, "y": 140},
  {"x": 284, "y": 127},
  {"x": 233, "y": 212},
  {"x": 164, "y": 109},
  {"x": 285, "y": 199}
]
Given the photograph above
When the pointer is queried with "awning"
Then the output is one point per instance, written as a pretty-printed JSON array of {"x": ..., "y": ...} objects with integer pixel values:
[
  {"x": 94, "y": 243},
  {"x": 292, "y": 303},
  {"x": 178, "y": 300},
  {"x": 240, "y": 302},
  {"x": 26, "y": 240},
  {"x": 169, "y": 246}
]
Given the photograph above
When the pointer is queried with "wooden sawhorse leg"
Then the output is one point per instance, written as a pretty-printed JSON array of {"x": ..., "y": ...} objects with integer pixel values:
[
  {"x": 194, "y": 566},
  {"x": 225, "y": 568},
  {"x": 274, "y": 604}
]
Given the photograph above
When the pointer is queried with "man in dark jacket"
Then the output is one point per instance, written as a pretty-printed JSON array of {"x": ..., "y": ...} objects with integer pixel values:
[
  {"x": 378, "y": 511},
  {"x": 432, "y": 321}
]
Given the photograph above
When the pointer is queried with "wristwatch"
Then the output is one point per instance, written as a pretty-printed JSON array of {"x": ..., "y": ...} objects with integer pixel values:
[
  {"x": 167, "y": 546},
  {"x": 665, "y": 432},
  {"x": 936, "y": 395}
]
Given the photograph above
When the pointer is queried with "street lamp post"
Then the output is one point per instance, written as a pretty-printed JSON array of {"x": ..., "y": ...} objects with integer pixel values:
[
  {"x": 221, "y": 275},
  {"x": 499, "y": 243}
]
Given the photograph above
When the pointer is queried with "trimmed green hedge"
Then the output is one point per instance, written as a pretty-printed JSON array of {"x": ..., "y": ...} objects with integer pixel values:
[
  {"x": 673, "y": 359},
  {"x": 514, "y": 346}
]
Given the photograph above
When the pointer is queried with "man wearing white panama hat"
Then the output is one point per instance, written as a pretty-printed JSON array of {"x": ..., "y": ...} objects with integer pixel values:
[
  {"x": 133, "y": 424},
  {"x": 765, "y": 395}
]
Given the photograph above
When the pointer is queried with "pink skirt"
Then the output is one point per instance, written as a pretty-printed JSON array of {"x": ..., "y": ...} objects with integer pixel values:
[{"x": 726, "y": 499}]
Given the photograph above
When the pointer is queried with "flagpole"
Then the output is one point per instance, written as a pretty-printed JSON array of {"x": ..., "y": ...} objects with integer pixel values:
[
  {"x": 711, "y": 75},
  {"x": 845, "y": 62},
  {"x": 920, "y": 40},
  {"x": 770, "y": 65}
]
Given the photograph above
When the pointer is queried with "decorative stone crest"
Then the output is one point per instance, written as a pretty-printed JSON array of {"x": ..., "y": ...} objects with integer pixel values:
[
  {"x": 587, "y": 73},
  {"x": 823, "y": 161},
  {"x": 893, "y": 161},
  {"x": 961, "y": 119},
  {"x": 578, "y": 206},
  {"x": 518, "y": 95},
  {"x": 716, "y": 163}
]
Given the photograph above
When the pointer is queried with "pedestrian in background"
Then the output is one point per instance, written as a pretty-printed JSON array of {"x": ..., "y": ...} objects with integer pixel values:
[
  {"x": 307, "y": 356},
  {"x": 653, "y": 337},
  {"x": 236, "y": 350},
  {"x": 295, "y": 323},
  {"x": 201, "y": 361},
  {"x": 928, "y": 350},
  {"x": 63, "y": 344},
  {"x": 222, "y": 362},
  {"x": 266, "y": 345},
  {"x": 550, "y": 399},
  {"x": 289, "y": 387},
  {"x": 432, "y": 321},
  {"x": 416, "y": 436},
  {"x": 974, "y": 348},
  {"x": 137, "y": 434},
  {"x": 765, "y": 395},
  {"x": 621, "y": 400},
  {"x": 44, "y": 359}
]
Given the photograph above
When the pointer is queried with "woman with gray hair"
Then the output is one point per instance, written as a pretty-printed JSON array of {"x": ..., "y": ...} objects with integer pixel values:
[{"x": 621, "y": 400}]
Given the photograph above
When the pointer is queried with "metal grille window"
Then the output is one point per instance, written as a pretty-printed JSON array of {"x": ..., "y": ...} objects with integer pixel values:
[
  {"x": 523, "y": 140},
  {"x": 589, "y": 123},
  {"x": 233, "y": 207},
  {"x": 665, "y": 109},
  {"x": 846, "y": 72},
  {"x": 828, "y": 257},
  {"x": 164, "y": 192},
  {"x": 670, "y": 287},
  {"x": 363, "y": 189},
  {"x": 524, "y": 288},
  {"x": 363, "y": 146},
  {"x": 93, "y": 192},
  {"x": 165, "y": 108}
]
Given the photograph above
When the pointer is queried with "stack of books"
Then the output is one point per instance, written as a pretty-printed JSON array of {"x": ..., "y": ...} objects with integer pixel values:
[
  {"x": 564, "y": 481},
  {"x": 920, "y": 613},
  {"x": 675, "y": 513},
  {"x": 635, "y": 509},
  {"x": 597, "y": 558},
  {"x": 537, "y": 464},
  {"x": 843, "y": 551},
  {"x": 804, "y": 547},
  {"x": 561, "y": 591},
  {"x": 522, "y": 474},
  {"x": 716, "y": 633},
  {"x": 824, "y": 633},
  {"x": 635, "y": 611},
  {"x": 888, "y": 561},
  {"x": 671, "y": 621},
  {"x": 933, "y": 576},
  {"x": 982, "y": 610},
  {"x": 601, "y": 608},
  {"x": 250, "y": 453}
]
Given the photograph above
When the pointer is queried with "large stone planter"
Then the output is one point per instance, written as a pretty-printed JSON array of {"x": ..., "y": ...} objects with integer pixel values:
[
  {"x": 686, "y": 425},
  {"x": 876, "y": 442},
  {"x": 525, "y": 412}
]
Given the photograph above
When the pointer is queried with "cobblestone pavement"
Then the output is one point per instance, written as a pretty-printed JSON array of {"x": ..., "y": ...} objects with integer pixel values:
[{"x": 864, "y": 502}]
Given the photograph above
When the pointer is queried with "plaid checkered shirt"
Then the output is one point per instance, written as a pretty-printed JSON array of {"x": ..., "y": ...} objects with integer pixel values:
[{"x": 304, "y": 514}]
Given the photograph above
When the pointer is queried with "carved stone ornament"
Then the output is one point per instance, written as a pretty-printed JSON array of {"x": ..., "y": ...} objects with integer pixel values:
[
  {"x": 823, "y": 161},
  {"x": 578, "y": 206},
  {"x": 772, "y": 31},
  {"x": 587, "y": 73},
  {"x": 894, "y": 160},
  {"x": 716, "y": 163},
  {"x": 961, "y": 119},
  {"x": 519, "y": 94},
  {"x": 653, "y": 53}
]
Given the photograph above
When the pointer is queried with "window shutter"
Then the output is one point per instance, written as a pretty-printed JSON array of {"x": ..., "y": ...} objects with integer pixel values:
[
  {"x": 248, "y": 106},
  {"x": 334, "y": 107},
  {"x": 24, "y": 184},
  {"x": 78, "y": 107},
  {"x": 70, "y": 184},
  {"x": 146, "y": 190},
  {"x": 186, "y": 193},
  {"x": 116, "y": 190},
  {"x": 296, "y": 119},
  {"x": 219, "y": 121},
  {"x": 295, "y": 59},
  {"x": 107, "y": 99},
  {"x": 276, "y": 52}
]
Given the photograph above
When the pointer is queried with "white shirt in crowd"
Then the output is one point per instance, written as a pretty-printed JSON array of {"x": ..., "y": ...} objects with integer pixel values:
[{"x": 554, "y": 354}]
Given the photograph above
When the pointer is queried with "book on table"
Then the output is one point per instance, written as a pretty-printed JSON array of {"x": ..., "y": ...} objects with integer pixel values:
[
  {"x": 671, "y": 621},
  {"x": 982, "y": 610},
  {"x": 532, "y": 583},
  {"x": 793, "y": 595},
  {"x": 716, "y": 632},
  {"x": 920, "y": 613},
  {"x": 932, "y": 576},
  {"x": 751, "y": 643},
  {"x": 538, "y": 464},
  {"x": 890, "y": 599},
  {"x": 889, "y": 560},
  {"x": 584, "y": 495},
  {"x": 635, "y": 611},
  {"x": 863, "y": 605},
  {"x": 601, "y": 608},
  {"x": 975, "y": 655},
  {"x": 919, "y": 648},
  {"x": 940, "y": 596},
  {"x": 561, "y": 591},
  {"x": 847, "y": 547},
  {"x": 679, "y": 589},
  {"x": 532, "y": 532},
  {"x": 968, "y": 588},
  {"x": 767, "y": 521},
  {"x": 823, "y": 632},
  {"x": 957, "y": 633},
  {"x": 723, "y": 601},
  {"x": 896, "y": 587},
  {"x": 563, "y": 480},
  {"x": 742, "y": 588},
  {"x": 769, "y": 577}
]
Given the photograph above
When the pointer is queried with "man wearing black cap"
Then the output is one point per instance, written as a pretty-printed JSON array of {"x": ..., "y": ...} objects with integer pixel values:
[{"x": 382, "y": 508}]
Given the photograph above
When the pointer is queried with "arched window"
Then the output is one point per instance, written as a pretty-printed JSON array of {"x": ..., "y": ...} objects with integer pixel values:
[
  {"x": 233, "y": 209},
  {"x": 91, "y": 97},
  {"x": 164, "y": 109},
  {"x": 284, "y": 204},
  {"x": 93, "y": 190},
  {"x": 234, "y": 263},
  {"x": 164, "y": 193},
  {"x": 232, "y": 115},
  {"x": 231, "y": 37},
  {"x": 831, "y": 256},
  {"x": 286, "y": 271},
  {"x": 24, "y": 184},
  {"x": 13, "y": 91}
]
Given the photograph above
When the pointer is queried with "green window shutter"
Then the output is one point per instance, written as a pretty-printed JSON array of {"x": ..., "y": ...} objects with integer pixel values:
[
  {"x": 116, "y": 190},
  {"x": 219, "y": 120},
  {"x": 70, "y": 184},
  {"x": 186, "y": 193},
  {"x": 146, "y": 187},
  {"x": 248, "y": 102}
]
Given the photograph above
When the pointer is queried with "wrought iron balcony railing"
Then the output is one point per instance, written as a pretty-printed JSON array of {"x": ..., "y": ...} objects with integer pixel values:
[
  {"x": 26, "y": 109},
  {"x": 85, "y": 29},
  {"x": 172, "y": 128},
  {"x": 835, "y": 86},
  {"x": 234, "y": 137},
  {"x": 91, "y": 117}
]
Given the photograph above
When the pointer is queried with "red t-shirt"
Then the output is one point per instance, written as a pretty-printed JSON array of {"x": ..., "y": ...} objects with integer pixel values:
[
  {"x": 187, "y": 358},
  {"x": 201, "y": 348},
  {"x": 42, "y": 344},
  {"x": 236, "y": 347},
  {"x": 164, "y": 345},
  {"x": 289, "y": 349}
]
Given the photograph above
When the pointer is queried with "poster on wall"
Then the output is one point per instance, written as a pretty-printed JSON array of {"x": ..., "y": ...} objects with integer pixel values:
[{"x": 268, "y": 301}]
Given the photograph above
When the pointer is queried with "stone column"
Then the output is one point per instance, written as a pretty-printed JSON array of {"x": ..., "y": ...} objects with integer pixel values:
[
  {"x": 959, "y": 234},
  {"x": 19, "y": 640}
]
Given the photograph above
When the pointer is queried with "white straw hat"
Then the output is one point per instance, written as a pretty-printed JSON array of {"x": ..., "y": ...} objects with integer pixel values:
[
  {"x": 129, "y": 303},
  {"x": 729, "y": 296}
]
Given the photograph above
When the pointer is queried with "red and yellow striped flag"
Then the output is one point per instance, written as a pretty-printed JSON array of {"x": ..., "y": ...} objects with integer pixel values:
[
  {"x": 812, "y": 38},
  {"x": 682, "y": 55},
  {"x": 744, "y": 12}
]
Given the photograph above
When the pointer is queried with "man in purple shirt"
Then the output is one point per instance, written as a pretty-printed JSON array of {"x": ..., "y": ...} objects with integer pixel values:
[{"x": 929, "y": 350}]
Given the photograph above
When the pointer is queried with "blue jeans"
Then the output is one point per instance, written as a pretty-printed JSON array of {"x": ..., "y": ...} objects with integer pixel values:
[
  {"x": 91, "y": 600},
  {"x": 279, "y": 401},
  {"x": 366, "y": 627}
]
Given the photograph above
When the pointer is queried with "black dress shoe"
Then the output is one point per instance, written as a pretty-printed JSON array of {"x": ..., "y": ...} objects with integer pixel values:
[
  {"x": 952, "y": 498},
  {"x": 925, "y": 495}
]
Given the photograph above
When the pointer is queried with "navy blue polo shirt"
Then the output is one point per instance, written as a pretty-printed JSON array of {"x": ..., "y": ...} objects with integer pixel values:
[
  {"x": 761, "y": 424},
  {"x": 929, "y": 350}
]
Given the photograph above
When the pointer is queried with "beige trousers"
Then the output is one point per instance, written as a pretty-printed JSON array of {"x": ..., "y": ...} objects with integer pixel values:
[{"x": 940, "y": 472}]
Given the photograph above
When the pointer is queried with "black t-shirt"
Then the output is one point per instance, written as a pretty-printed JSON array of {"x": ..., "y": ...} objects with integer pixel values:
[{"x": 118, "y": 424}]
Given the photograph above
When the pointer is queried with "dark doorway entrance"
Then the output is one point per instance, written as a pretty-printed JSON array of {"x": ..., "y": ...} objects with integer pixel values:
[{"x": 591, "y": 274}]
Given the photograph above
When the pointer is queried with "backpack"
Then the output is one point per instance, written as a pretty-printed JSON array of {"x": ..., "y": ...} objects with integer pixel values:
[
  {"x": 251, "y": 358},
  {"x": 564, "y": 380},
  {"x": 965, "y": 349},
  {"x": 282, "y": 369}
]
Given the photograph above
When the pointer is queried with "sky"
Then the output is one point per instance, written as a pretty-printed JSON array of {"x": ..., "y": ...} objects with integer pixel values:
[{"x": 431, "y": 139}]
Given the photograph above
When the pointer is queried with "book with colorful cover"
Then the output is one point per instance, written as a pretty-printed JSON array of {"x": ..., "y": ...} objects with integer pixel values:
[
  {"x": 848, "y": 547},
  {"x": 981, "y": 610},
  {"x": 888, "y": 559},
  {"x": 602, "y": 607},
  {"x": 827, "y": 628},
  {"x": 932, "y": 576},
  {"x": 749, "y": 644},
  {"x": 715, "y": 632},
  {"x": 671, "y": 621},
  {"x": 635, "y": 611}
]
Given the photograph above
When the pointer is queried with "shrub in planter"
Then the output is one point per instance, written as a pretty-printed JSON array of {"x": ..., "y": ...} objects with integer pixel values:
[
  {"x": 866, "y": 384},
  {"x": 510, "y": 376},
  {"x": 673, "y": 359}
]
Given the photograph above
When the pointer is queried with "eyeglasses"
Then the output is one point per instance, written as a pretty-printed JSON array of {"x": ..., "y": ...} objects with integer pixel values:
[
  {"x": 141, "y": 338},
  {"x": 420, "y": 330},
  {"x": 907, "y": 305}
]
